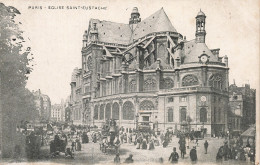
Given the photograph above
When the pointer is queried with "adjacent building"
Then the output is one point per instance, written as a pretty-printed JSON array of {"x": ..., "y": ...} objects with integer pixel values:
[
  {"x": 43, "y": 104},
  {"x": 145, "y": 71},
  {"x": 242, "y": 104},
  {"x": 56, "y": 112}
]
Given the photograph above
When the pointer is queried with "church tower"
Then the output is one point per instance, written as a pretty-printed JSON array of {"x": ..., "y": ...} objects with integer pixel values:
[
  {"x": 200, "y": 27},
  {"x": 134, "y": 20}
]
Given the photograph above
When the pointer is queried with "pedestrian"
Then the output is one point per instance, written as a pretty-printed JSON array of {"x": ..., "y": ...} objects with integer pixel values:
[
  {"x": 73, "y": 146},
  {"x": 117, "y": 159},
  {"x": 182, "y": 148},
  {"x": 68, "y": 153},
  {"x": 117, "y": 144},
  {"x": 78, "y": 144},
  {"x": 193, "y": 154},
  {"x": 138, "y": 141},
  {"x": 251, "y": 154},
  {"x": 144, "y": 144},
  {"x": 206, "y": 144},
  {"x": 129, "y": 159},
  {"x": 174, "y": 156}
]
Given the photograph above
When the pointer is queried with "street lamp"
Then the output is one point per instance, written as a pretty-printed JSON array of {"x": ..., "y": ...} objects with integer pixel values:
[{"x": 137, "y": 118}]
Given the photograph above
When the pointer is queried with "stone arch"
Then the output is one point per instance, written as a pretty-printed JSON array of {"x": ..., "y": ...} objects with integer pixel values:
[
  {"x": 203, "y": 115},
  {"x": 95, "y": 112},
  {"x": 101, "y": 112},
  {"x": 149, "y": 84},
  {"x": 108, "y": 111},
  {"x": 216, "y": 81},
  {"x": 115, "y": 111},
  {"x": 147, "y": 105},
  {"x": 128, "y": 111},
  {"x": 190, "y": 80}
]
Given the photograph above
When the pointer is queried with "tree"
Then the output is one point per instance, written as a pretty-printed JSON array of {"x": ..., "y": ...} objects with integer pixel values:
[{"x": 17, "y": 102}]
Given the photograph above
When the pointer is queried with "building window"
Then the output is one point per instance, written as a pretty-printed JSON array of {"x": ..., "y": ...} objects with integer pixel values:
[
  {"x": 170, "y": 99},
  {"x": 101, "y": 112},
  {"x": 146, "y": 105},
  {"x": 215, "y": 81},
  {"x": 190, "y": 80},
  {"x": 128, "y": 111},
  {"x": 167, "y": 83},
  {"x": 96, "y": 113},
  {"x": 108, "y": 111},
  {"x": 170, "y": 115},
  {"x": 219, "y": 115},
  {"x": 183, "y": 99},
  {"x": 149, "y": 84},
  {"x": 203, "y": 115},
  {"x": 132, "y": 86},
  {"x": 115, "y": 111},
  {"x": 183, "y": 113}
]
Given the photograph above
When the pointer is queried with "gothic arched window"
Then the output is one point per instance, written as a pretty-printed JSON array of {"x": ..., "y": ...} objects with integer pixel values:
[
  {"x": 115, "y": 111},
  {"x": 128, "y": 111},
  {"x": 203, "y": 115},
  {"x": 190, "y": 80},
  {"x": 108, "y": 111},
  {"x": 89, "y": 63},
  {"x": 132, "y": 86},
  {"x": 101, "y": 112},
  {"x": 183, "y": 114},
  {"x": 167, "y": 83},
  {"x": 216, "y": 81},
  {"x": 149, "y": 84},
  {"x": 146, "y": 105},
  {"x": 170, "y": 115},
  {"x": 95, "y": 112}
]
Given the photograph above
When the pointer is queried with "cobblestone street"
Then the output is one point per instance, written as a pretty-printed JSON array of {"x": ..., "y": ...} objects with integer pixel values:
[{"x": 91, "y": 154}]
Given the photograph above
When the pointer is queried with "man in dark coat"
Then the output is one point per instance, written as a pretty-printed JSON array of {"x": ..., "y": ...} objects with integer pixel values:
[
  {"x": 193, "y": 154},
  {"x": 174, "y": 156},
  {"x": 117, "y": 159},
  {"x": 206, "y": 144},
  {"x": 129, "y": 159}
]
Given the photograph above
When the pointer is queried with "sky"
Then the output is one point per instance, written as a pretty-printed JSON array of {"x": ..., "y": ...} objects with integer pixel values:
[{"x": 55, "y": 35}]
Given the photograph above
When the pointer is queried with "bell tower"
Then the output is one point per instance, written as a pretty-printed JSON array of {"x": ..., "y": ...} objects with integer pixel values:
[
  {"x": 134, "y": 20},
  {"x": 200, "y": 27}
]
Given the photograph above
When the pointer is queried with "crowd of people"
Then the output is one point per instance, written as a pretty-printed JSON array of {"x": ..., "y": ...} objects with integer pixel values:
[{"x": 67, "y": 143}]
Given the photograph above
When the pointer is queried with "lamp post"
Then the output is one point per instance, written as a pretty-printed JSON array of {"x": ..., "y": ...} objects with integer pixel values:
[{"x": 137, "y": 118}]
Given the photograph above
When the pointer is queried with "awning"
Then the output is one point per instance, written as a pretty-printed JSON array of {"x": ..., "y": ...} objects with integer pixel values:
[{"x": 250, "y": 132}]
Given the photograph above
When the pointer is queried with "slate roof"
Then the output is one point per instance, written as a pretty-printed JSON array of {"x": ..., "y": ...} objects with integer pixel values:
[
  {"x": 112, "y": 32},
  {"x": 192, "y": 50},
  {"x": 120, "y": 33},
  {"x": 157, "y": 22}
]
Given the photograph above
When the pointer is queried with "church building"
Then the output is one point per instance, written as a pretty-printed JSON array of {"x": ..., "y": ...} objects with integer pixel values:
[{"x": 147, "y": 72}]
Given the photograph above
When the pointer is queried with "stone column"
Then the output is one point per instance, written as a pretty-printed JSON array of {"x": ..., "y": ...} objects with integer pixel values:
[
  {"x": 137, "y": 81},
  {"x": 120, "y": 111}
]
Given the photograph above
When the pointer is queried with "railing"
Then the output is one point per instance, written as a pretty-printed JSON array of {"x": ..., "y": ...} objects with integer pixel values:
[{"x": 193, "y": 89}]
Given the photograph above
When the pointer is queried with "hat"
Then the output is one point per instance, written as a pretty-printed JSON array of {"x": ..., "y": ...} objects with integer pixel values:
[
  {"x": 174, "y": 148},
  {"x": 117, "y": 154},
  {"x": 131, "y": 155}
]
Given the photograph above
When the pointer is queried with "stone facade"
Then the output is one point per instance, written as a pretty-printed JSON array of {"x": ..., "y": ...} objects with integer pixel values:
[
  {"x": 146, "y": 71},
  {"x": 242, "y": 105}
]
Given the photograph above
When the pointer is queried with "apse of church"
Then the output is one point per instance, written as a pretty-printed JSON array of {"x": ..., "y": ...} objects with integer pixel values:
[{"x": 146, "y": 71}]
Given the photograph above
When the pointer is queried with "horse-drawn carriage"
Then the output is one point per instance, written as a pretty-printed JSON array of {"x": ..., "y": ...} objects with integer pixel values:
[{"x": 109, "y": 137}]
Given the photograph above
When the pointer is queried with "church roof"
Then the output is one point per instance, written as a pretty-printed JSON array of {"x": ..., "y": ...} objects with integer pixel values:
[
  {"x": 157, "y": 22},
  {"x": 192, "y": 50},
  {"x": 112, "y": 32},
  {"x": 120, "y": 33}
]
